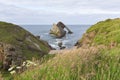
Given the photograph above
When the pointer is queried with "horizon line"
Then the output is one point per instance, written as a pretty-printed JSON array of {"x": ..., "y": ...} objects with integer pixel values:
[{"x": 52, "y": 24}]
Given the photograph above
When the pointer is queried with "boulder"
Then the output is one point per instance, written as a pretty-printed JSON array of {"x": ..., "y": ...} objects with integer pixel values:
[
  {"x": 58, "y": 30},
  {"x": 18, "y": 44}
]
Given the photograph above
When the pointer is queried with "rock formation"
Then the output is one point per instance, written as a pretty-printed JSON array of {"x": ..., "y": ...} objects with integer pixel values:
[
  {"x": 60, "y": 44},
  {"x": 60, "y": 24},
  {"x": 58, "y": 30},
  {"x": 10, "y": 55},
  {"x": 17, "y": 44}
]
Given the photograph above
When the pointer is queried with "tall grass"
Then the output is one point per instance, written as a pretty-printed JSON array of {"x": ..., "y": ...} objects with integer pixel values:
[
  {"x": 78, "y": 64},
  {"x": 1, "y": 77}
]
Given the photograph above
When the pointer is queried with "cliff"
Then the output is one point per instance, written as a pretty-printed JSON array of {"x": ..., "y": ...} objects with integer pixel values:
[
  {"x": 97, "y": 58},
  {"x": 17, "y": 44},
  {"x": 103, "y": 33}
]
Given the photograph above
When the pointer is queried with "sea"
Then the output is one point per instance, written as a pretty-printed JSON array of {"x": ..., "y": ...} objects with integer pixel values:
[{"x": 68, "y": 41}]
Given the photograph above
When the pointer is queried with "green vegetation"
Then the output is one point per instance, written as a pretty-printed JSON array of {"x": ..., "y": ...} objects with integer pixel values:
[
  {"x": 106, "y": 31},
  {"x": 100, "y": 61},
  {"x": 77, "y": 66},
  {"x": 28, "y": 44}
]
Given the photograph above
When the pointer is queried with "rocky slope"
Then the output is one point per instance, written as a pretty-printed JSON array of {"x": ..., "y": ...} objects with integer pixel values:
[{"x": 17, "y": 44}]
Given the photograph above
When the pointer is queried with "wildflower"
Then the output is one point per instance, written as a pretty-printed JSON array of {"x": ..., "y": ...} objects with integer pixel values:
[
  {"x": 13, "y": 72},
  {"x": 18, "y": 67},
  {"x": 24, "y": 63},
  {"x": 11, "y": 68}
]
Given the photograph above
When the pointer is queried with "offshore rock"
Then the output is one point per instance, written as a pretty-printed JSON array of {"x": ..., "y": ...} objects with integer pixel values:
[{"x": 58, "y": 30}]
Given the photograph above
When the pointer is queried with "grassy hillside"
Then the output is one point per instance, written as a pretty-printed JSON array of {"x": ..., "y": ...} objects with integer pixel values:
[
  {"x": 77, "y": 64},
  {"x": 98, "y": 61},
  {"x": 105, "y": 32},
  {"x": 27, "y": 43}
]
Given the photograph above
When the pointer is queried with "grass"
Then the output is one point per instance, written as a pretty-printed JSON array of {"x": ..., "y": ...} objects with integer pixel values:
[
  {"x": 106, "y": 31},
  {"x": 80, "y": 64},
  {"x": 22, "y": 40},
  {"x": 17, "y": 36},
  {"x": 7, "y": 76},
  {"x": 1, "y": 77},
  {"x": 97, "y": 62}
]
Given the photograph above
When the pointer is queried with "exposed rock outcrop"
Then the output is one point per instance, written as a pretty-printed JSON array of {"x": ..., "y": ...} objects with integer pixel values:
[
  {"x": 58, "y": 30},
  {"x": 18, "y": 44},
  {"x": 60, "y": 44},
  {"x": 10, "y": 55}
]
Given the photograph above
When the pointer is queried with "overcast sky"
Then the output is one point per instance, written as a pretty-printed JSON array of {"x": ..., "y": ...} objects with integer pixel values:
[{"x": 52, "y": 11}]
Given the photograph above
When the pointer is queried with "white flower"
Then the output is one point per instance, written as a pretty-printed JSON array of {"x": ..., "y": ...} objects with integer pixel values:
[
  {"x": 11, "y": 68},
  {"x": 13, "y": 72},
  {"x": 28, "y": 65},
  {"x": 24, "y": 63},
  {"x": 31, "y": 63},
  {"x": 35, "y": 64},
  {"x": 18, "y": 67}
]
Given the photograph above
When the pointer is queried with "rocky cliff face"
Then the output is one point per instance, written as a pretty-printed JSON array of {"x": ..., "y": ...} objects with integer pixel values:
[
  {"x": 17, "y": 44},
  {"x": 10, "y": 55}
]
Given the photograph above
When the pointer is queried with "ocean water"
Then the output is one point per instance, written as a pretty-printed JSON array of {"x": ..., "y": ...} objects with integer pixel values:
[{"x": 69, "y": 40}]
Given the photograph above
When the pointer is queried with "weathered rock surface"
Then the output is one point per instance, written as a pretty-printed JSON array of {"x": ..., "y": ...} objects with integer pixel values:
[
  {"x": 10, "y": 55},
  {"x": 58, "y": 30},
  {"x": 60, "y": 24},
  {"x": 18, "y": 44}
]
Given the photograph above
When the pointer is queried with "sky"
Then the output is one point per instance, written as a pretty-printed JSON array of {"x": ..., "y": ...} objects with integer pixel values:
[{"x": 51, "y": 11}]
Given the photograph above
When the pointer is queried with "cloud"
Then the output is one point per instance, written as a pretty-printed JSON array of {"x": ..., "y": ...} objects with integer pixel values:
[
  {"x": 49, "y": 11},
  {"x": 63, "y": 6}
]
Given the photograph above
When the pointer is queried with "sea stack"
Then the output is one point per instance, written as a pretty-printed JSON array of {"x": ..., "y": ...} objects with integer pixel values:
[{"x": 58, "y": 30}]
